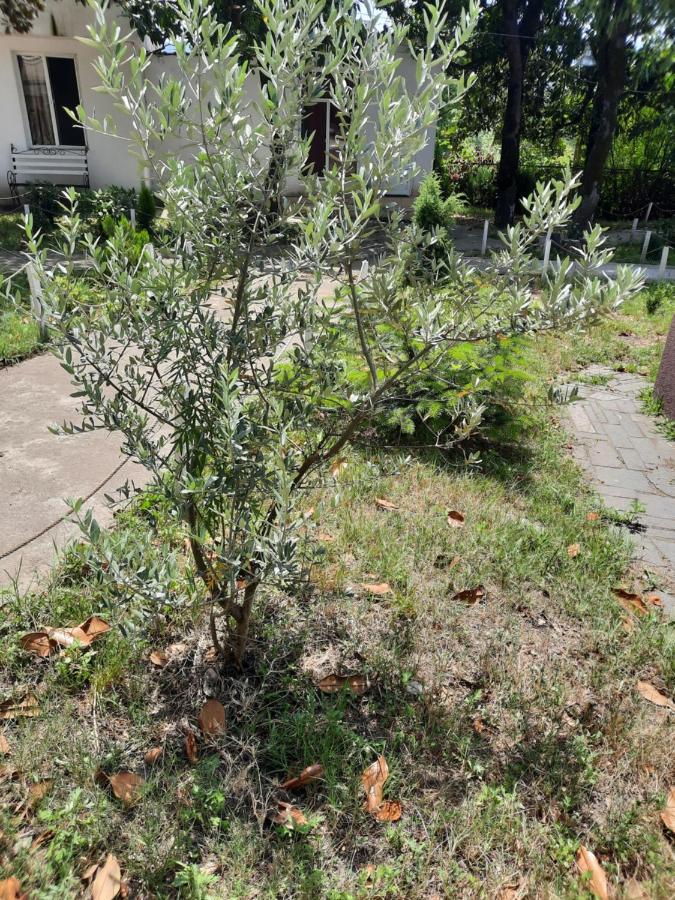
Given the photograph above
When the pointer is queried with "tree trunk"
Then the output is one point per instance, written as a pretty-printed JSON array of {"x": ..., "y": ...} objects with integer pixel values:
[
  {"x": 518, "y": 42},
  {"x": 614, "y": 22}
]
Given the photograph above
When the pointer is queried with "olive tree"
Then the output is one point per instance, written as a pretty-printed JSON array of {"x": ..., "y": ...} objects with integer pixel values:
[{"x": 250, "y": 342}]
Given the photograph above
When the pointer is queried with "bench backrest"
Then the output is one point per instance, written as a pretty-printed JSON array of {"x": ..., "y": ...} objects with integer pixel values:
[{"x": 58, "y": 165}]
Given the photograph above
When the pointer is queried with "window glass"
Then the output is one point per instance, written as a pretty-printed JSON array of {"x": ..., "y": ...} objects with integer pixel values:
[
  {"x": 36, "y": 94},
  {"x": 50, "y": 84}
]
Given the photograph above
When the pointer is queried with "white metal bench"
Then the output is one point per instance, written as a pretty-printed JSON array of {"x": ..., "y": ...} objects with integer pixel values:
[{"x": 57, "y": 165}]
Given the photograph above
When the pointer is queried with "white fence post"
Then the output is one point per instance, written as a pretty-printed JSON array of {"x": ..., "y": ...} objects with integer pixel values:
[
  {"x": 483, "y": 246},
  {"x": 36, "y": 301},
  {"x": 26, "y": 210},
  {"x": 633, "y": 231},
  {"x": 663, "y": 263},
  {"x": 547, "y": 251},
  {"x": 649, "y": 209},
  {"x": 645, "y": 244},
  {"x": 132, "y": 216}
]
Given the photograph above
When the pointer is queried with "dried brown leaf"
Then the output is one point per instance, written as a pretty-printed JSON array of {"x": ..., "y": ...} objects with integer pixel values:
[
  {"x": 668, "y": 812},
  {"x": 373, "y": 780},
  {"x": 94, "y": 628},
  {"x": 649, "y": 692},
  {"x": 38, "y": 791},
  {"x": 10, "y": 889},
  {"x": 592, "y": 517},
  {"x": 212, "y": 718},
  {"x": 653, "y": 600},
  {"x": 190, "y": 745},
  {"x": 455, "y": 519},
  {"x": 108, "y": 881},
  {"x": 38, "y": 642},
  {"x": 159, "y": 658},
  {"x": 379, "y": 590},
  {"x": 331, "y": 684},
  {"x": 4, "y": 745},
  {"x": 126, "y": 786},
  {"x": 311, "y": 773},
  {"x": 471, "y": 595},
  {"x": 389, "y": 811},
  {"x": 153, "y": 755},
  {"x": 13, "y": 709},
  {"x": 288, "y": 815},
  {"x": 325, "y": 537},
  {"x": 630, "y": 602},
  {"x": 383, "y": 503},
  {"x": 587, "y": 862},
  {"x": 573, "y": 550},
  {"x": 339, "y": 464}
]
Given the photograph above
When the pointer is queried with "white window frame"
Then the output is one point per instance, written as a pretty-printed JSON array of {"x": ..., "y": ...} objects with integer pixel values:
[{"x": 52, "y": 111}]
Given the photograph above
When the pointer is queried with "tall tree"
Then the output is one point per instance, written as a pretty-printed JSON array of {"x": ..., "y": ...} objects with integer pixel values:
[
  {"x": 19, "y": 15},
  {"x": 521, "y": 20},
  {"x": 613, "y": 22}
]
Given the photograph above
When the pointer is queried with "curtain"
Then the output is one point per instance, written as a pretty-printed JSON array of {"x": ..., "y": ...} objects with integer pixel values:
[{"x": 36, "y": 95}]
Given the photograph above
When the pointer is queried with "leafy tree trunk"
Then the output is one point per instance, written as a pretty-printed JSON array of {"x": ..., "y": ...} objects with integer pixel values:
[
  {"x": 614, "y": 22},
  {"x": 518, "y": 41}
]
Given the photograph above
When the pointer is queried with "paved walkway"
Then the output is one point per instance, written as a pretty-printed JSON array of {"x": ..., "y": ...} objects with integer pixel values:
[{"x": 628, "y": 460}]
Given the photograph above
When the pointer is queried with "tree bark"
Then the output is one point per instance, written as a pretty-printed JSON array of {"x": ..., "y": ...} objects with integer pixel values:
[
  {"x": 518, "y": 41},
  {"x": 614, "y": 22}
]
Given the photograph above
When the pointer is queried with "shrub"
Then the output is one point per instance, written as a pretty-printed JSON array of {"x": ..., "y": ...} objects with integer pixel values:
[
  {"x": 146, "y": 208},
  {"x": 44, "y": 200},
  {"x": 234, "y": 417}
]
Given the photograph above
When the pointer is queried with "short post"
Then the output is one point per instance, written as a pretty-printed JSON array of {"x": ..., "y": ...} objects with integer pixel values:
[
  {"x": 648, "y": 213},
  {"x": 364, "y": 270},
  {"x": 26, "y": 210},
  {"x": 132, "y": 216},
  {"x": 633, "y": 231},
  {"x": 663, "y": 263},
  {"x": 483, "y": 246},
  {"x": 36, "y": 301},
  {"x": 547, "y": 251},
  {"x": 645, "y": 244}
]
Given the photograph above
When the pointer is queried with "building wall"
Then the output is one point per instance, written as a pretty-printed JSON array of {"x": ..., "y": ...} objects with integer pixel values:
[{"x": 110, "y": 161}]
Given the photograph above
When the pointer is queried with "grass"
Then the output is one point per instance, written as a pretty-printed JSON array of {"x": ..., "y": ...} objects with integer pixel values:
[
  {"x": 19, "y": 333},
  {"x": 11, "y": 234},
  {"x": 511, "y": 727}
]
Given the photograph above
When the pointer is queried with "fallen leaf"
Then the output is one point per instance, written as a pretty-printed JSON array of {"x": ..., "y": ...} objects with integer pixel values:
[
  {"x": 94, "y": 628},
  {"x": 628, "y": 624},
  {"x": 325, "y": 537},
  {"x": 190, "y": 745},
  {"x": 382, "y": 503},
  {"x": 573, "y": 550},
  {"x": 650, "y": 693},
  {"x": 153, "y": 755},
  {"x": 378, "y": 589},
  {"x": 653, "y": 600},
  {"x": 4, "y": 745},
  {"x": 455, "y": 519},
  {"x": 633, "y": 890},
  {"x": 38, "y": 642},
  {"x": 159, "y": 658},
  {"x": 587, "y": 862},
  {"x": 389, "y": 811},
  {"x": 108, "y": 881},
  {"x": 10, "y": 889},
  {"x": 38, "y": 791},
  {"x": 373, "y": 780},
  {"x": 471, "y": 595},
  {"x": 331, "y": 684},
  {"x": 67, "y": 637},
  {"x": 508, "y": 892},
  {"x": 478, "y": 725},
  {"x": 630, "y": 602},
  {"x": 212, "y": 718},
  {"x": 592, "y": 517},
  {"x": 126, "y": 786},
  {"x": 288, "y": 815},
  {"x": 311, "y": 773},
  {"x": 668, "y": 812},
  {"x": 338, "y": 466},
  {"x": 13, "y": 709}
]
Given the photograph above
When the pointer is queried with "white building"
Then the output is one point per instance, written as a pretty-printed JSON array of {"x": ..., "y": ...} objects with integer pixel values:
[{"x": 48, "y": 69}]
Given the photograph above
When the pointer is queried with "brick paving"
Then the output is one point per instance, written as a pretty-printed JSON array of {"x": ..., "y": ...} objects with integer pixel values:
[{"x": 627, "y": 460}]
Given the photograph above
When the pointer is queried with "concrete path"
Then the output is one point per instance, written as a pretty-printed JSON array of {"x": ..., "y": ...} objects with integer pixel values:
[
  {"x": 628, "y": 460},
  {"x": 38, "y": 469}
]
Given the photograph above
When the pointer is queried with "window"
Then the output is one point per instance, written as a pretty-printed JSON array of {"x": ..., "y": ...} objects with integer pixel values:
[
  {"x": 321, "y": 123},
  {"x": 49, "y": 84}
]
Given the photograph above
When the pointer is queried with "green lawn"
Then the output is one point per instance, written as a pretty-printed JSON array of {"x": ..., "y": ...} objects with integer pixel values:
[{"x": 509, "y": 718}]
